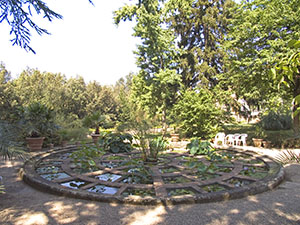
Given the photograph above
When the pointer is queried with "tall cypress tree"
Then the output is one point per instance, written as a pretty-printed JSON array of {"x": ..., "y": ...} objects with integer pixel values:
[{"x": 200, "y": 27}]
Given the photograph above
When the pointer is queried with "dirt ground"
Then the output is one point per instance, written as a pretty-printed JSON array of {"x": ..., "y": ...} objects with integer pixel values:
[{"x": 24, "y": 205}]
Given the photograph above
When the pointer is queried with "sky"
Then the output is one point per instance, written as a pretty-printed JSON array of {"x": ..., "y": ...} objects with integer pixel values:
[{"x": 85, "y": 42}]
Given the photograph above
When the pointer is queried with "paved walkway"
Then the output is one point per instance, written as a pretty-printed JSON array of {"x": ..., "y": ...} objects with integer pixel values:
[{"x": 23, "y": 205}]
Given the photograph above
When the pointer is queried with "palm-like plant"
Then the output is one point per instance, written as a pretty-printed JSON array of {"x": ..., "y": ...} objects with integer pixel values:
[
  {"x": 94, "y": 120},
  {"x": 288, "y": 156},
  {"x": 10, "y": 146}
]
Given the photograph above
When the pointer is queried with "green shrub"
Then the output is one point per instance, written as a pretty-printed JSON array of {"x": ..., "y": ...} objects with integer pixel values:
[
  {"x": 11, "y": 146},
  {"x": 68, "y": 121},
  {"x": 115, "y": 142},
  {"x": 288, "y": 156},
  {"x": 38, "y": 121},
  {"x": 198, "y": 147},
  {"x": 197, "y": 114},
  {"x": 276, "y": 121},
  {"x": 157, "y": 145},
  {"x": 72, "y": 134}
]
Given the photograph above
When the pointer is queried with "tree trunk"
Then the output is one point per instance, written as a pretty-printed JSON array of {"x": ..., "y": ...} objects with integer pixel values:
[
  {"x": 164, "y": 122},
  {"x": 296, "y": 118}
]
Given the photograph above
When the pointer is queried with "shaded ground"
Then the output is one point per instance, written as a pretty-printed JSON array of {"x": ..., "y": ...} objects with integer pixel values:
[{"x": 23, "y": 205}]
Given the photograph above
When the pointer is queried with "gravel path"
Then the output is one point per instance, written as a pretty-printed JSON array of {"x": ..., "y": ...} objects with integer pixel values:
[{"x": 22, "y": 205}]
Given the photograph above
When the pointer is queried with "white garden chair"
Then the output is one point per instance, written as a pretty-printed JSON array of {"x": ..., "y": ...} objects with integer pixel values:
[
  {"x": 230, "y": 139},
  {"x": 220, "y": 137},
  {"x": 236, "y": 139},
  {"x": 243, "y": 139}
]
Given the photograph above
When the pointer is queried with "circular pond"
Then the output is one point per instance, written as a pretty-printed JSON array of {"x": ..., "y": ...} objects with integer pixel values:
[{"x": 174, "y": 178}]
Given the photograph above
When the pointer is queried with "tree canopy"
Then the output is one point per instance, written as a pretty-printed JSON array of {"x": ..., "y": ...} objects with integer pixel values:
[{"x": 197, "y": 59}]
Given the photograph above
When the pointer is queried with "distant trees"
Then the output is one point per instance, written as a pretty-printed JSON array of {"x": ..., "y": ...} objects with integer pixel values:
[
  {"x": 8, "y": 99},
  {"x": 68, "y": 97},
  {"x": 256, "y": 40}
]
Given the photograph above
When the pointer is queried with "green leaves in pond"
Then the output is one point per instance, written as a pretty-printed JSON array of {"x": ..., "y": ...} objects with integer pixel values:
[
  {"x": 86, "y": 156},
  {"x": 169, "y": 170},
  {"x": 255, "y": 172},
  {"x": 114, "y": 157},
  {"x": 139, "y": 175},
  {"x": 54, "y": 176},
  {"x": 176, "y": 180},
  {"x": 198, "y": 147},
  {"x": 47, "y": 169},
  {"x": 139, "y": 192},
  {"x": 213, "y": 188},
  {"x": 180, "y": 191}
]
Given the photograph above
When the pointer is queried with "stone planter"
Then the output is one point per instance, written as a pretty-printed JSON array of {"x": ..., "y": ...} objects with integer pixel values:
[
  {"x": 35, "y": 144},
  {"x": 174, "y": 137},
  {"x": 257, "y": 142},
  {"x": 267, "y": 144}
]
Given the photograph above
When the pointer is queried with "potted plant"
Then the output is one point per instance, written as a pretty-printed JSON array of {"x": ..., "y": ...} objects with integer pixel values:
[
  {"x": 174, "y": 137},
  {"x": 63, "y": 137},
  {"x": 260, "y": 134},
  {"x": 37, "y": 123},
  {"x": 267, "y": 144},
  {"x": 34, "y": 141},
  {"x": 94, "y": 121},
  {"x": 175, "y": 134}
]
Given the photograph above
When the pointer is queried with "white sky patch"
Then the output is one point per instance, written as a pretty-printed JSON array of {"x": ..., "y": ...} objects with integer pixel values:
[{"x": 85, "y": 42}]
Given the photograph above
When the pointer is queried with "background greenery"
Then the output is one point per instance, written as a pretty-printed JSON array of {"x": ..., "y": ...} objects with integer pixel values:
[{"x": 200, "y": 63}]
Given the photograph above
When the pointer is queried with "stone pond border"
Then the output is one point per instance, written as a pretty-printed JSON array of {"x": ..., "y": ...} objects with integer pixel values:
[{"x": 273, "y": 179}]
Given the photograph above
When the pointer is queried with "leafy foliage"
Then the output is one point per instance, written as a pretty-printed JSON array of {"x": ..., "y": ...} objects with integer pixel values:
[
  {"x": 156, "y": 145},
  {"x": 95, "y": 120},
  {"x": 287, "y": 72},
  {"x": 200, "y": 27},
  {"x": 198, "y": 147},
  {"x": 19, "y": 14},
  {"x": 276, "y": 121},
  {"x": 86, "y": 156},
  {"x": 288, "y": 156},
  {"x": 10, "y": 145},
  {"x": 156, "y": 86},
  {"x": 8, "y": 98},
  {"x": 257, "y": 35},
  {"x": 38, "y": 120},
  {"x": 116, "y": 142},
  {"x": 198, "y": 114}
]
